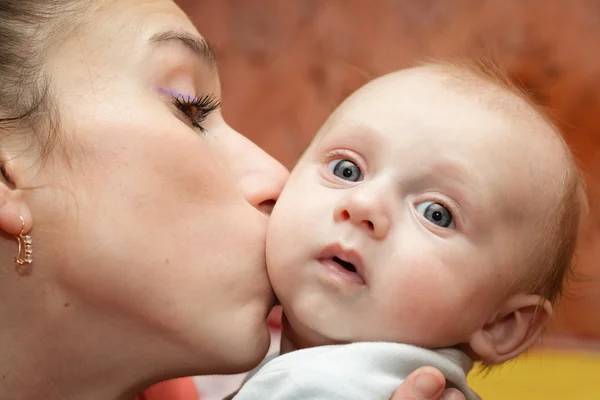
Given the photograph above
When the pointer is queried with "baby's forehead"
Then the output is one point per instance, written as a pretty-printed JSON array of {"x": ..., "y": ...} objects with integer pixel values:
[
  {"x": 451, "y": 82},
  {"x": 459, "y": 98},
  {"x": 440, "y": 90}
]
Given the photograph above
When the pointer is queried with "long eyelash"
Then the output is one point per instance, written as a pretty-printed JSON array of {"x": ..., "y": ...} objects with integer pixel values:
[
  {"x": 343, "y": 153},
  {"x": 197, "y": 109},
  {"x": 347, "y": 154}
]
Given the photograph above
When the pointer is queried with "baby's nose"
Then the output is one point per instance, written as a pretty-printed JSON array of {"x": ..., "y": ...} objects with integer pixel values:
[{"x": 366, "y": 209}]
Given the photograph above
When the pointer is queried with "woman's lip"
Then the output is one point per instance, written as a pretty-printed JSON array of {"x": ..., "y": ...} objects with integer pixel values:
[{"x": 348, "y": 255}]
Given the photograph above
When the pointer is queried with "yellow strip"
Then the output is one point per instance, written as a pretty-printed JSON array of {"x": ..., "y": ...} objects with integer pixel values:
[{"x": 542, "y": 375}]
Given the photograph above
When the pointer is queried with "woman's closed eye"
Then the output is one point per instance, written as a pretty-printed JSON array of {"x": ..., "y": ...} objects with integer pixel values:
[
  {"x": 436, "y": 213},
  {"x": 194, "y": 108}
]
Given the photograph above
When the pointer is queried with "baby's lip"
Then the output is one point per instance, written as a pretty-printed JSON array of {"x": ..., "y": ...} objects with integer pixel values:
[{"x": 349, "y": 259}]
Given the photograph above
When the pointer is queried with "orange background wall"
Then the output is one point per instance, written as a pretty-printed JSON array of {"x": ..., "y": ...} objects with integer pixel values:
[{"x": 286, "y": 64}]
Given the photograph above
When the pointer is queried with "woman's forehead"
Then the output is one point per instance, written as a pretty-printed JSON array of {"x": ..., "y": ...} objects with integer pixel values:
[
  {"x": 117, "y": 34},
  {"x": 129, "y": 19}
]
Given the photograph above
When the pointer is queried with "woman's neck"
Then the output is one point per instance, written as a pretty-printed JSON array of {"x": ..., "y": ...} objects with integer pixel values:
[
  {"x": 54, "y": 349},
  {"x": 52, "y": 364}
]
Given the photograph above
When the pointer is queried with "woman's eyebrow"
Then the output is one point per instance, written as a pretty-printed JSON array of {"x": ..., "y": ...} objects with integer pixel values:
[{"x": 196, "y": 44}]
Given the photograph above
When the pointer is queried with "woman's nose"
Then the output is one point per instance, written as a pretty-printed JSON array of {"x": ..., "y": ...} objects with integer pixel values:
[
  {"x": 259, "y": 177},
  {"x": 365, "y": 207},
  {"x": 262, "y": 182}
]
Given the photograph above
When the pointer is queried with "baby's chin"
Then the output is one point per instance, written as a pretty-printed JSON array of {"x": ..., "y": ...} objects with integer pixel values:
[{"x": 301, "y": 336}]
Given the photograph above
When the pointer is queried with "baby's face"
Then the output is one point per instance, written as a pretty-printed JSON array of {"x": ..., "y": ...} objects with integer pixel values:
[{"x": 410, "y": 217}]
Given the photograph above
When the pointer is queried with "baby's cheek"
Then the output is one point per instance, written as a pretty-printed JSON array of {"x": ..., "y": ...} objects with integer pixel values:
[
  {"x": 283, "y": 256},
  {"x": 421, "y": 307}
]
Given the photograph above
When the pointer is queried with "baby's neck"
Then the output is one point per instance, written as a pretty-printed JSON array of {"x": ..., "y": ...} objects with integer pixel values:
[
  {"x": 285, "y": 345},
  {"x": 289, "y": 339}
]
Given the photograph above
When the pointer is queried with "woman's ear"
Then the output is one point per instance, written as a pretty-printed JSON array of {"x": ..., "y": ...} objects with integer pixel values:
[
  {"x": 512, "y": 330},
  {"x": 12, "y": 206}
]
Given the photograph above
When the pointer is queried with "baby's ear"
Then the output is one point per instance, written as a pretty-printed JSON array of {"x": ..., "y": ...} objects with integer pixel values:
[{"x": 512, "y": 330}]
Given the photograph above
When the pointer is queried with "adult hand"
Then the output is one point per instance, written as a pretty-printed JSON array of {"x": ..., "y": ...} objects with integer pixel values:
[{"x": 426, "y": 383}]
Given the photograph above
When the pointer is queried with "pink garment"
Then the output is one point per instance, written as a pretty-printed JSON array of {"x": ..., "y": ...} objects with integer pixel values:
[{"x": 177, "y": 389}]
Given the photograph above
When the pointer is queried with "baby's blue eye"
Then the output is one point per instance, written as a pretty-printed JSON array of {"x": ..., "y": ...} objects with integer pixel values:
[
  {"x": 436, "y": 214},
  {"x": 346, "y": 170}
]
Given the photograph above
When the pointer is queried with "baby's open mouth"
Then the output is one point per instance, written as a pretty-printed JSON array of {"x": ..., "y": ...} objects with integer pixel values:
[
  {"x": 345, "y": 264},
  {"x": 348, "y": 266}
]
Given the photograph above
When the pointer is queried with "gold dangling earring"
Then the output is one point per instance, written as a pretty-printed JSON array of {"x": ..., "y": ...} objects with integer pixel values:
[{"x": 24, "y": 254}]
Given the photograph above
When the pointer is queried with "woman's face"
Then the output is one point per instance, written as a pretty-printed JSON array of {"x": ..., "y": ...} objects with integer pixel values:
[{"x": 149, "y": 212}]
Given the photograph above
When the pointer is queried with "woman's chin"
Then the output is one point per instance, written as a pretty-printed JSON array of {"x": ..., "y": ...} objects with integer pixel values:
[
  {"x": 250, "y": 354},
  {"x": 252, "y": 341}
]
